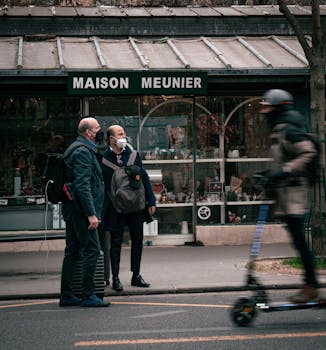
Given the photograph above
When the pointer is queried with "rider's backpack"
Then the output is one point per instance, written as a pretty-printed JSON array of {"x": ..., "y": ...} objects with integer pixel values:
[
  {"x": 126, "y": 191},
  {"x": 313, "y": 169}
]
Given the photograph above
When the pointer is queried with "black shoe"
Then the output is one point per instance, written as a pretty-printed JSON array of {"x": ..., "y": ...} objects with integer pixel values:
[
  {"x": 107, "y": 283},
  {"x": 116, "y": 284},
  {"x": 138, "y": 281}
]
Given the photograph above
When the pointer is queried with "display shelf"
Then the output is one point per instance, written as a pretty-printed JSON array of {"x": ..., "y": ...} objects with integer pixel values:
[
  {"x": 209, "y": 160},
  {"x": 248, "y": 202},
  {"x": 209, "y": 203},
  {"x": 245, "y": 159},
  {"x": 173, "y": 205},
  {"x": 167, "y": 161}
]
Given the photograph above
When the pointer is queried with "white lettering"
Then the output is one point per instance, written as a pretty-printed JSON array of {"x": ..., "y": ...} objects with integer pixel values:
[
  {"x": 124, "y": 83},
  {"x": 175, "y": 83},
  {"x": 197, "y": 83},
  {"x": 189, "y": 82},
  {"x": 157, "y": 82},
  {"x": 78, "y": 82},
  {"x": 166, "y": 82},
  {"x": 114, "y": 83},
  {"x": 104, "y": 83},
  {"x": 146, "y": 83},
  {"x": 89, "y": 84}
]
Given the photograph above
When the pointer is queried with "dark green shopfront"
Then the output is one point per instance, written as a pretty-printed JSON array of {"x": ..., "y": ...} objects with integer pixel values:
[{"x": 189, "y": 105}]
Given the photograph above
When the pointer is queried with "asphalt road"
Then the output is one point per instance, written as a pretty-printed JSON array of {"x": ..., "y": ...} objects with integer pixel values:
[{"x": 160, "y": 322}]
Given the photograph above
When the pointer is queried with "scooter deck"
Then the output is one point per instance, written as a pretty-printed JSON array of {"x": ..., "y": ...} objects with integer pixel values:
[{"x": 291, "y": 306}]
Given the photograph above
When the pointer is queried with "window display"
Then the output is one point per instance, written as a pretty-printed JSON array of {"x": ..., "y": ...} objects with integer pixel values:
[
  {"x": 231, "y": 144},
  {"x": 206, "y": 179},
  {"x": 31, "y": 127}
]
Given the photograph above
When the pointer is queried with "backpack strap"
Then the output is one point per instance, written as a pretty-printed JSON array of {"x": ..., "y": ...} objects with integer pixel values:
[
  {"x": 131, "y": 160},
  {"x": 72, "y": 150},
  {"x": 109, "y": 164},
  {"x": 132, "y": 157}
]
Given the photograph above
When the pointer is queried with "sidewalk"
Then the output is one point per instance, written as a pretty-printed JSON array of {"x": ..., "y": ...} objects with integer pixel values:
[{"x": 168, "y": 270}]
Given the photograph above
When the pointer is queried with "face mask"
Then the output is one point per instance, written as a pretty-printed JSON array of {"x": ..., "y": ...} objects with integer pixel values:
[
  {"x": 99, "y": 137},
  {"x": 121, "y": 143}
]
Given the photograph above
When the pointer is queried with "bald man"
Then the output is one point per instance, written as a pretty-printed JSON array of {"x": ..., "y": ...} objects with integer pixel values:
[{"x": 82, "y": 213}]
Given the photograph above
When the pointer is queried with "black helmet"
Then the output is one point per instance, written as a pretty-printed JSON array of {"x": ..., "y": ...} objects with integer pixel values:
[{"x": 277, "y": 97}]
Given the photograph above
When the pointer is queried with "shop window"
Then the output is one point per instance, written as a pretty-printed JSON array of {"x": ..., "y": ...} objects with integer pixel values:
[
  {"x": 231, "y": 144},
  {"x": 30, "y": 127}
]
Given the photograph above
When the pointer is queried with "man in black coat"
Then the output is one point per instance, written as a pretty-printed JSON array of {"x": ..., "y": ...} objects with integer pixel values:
[
  {"x": 118, "y": 153},
  {"x": 82, "y": 213}
]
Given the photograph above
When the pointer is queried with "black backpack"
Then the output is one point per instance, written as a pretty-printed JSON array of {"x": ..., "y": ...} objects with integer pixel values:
[{"x": 54, "y": 177}]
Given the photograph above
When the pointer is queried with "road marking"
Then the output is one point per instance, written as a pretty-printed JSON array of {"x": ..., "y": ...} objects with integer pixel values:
[
  {"x": 27, "y": 304},
  {"x": 154, "y": 331},
  {"x": 198, "y": 339},
  {"x": 123, "y": 303},
  {"x": 169, "y": 304},
  {"x": 158, "y": 314}
]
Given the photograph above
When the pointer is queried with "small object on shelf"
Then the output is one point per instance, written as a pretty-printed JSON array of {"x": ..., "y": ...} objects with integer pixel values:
[
  {"x": 17, "y": 182},
  {"x": 158, "y": 188},
  {"x": 184, "y": 227},
  {"x": 164, "y": 198}
]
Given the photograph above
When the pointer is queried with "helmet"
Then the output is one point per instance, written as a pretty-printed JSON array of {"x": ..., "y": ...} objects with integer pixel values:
[{"x": 277, "y": 97}]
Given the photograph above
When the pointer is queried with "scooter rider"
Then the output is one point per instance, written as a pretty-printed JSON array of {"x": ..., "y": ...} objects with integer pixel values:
[{"x": 288, "y": 179}]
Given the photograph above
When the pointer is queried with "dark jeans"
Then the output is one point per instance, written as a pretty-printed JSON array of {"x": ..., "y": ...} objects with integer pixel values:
[
  {"x": 134, "y": 222},
  {"x": 296, "y": 228},
  {"x": 80, "y": 242}
]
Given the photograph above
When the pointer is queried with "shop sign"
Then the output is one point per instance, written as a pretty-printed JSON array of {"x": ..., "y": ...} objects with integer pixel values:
[{"x": 137, "y": 83}]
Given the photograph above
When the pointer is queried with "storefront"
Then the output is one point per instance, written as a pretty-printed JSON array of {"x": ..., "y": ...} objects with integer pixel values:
[{"x": 190, "y": 106}]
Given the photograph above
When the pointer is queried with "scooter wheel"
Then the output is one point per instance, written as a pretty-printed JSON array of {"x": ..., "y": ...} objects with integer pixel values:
[{"x": 243, "y": 312}]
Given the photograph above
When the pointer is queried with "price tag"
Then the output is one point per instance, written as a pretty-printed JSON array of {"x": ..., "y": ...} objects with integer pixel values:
[
  {"x": 40, "y": 200},
  {"x": 3, "y": 201}
]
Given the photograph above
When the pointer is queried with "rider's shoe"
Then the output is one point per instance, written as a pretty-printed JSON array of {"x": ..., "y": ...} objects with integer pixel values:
[{"x": 306, "y": 294}]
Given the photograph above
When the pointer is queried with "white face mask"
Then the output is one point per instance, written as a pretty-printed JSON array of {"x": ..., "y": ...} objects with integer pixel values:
[{"x": 121, "y": 143}]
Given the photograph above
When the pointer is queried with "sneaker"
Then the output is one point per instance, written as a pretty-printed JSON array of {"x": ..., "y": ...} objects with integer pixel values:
[
  {"x": 71, "y": 301},
  {"x": 138, "y": 281},
  {"x": 94, "y": 301},
  {"x": 116, "y": 284},
  {"x": 306, "y": 294}
]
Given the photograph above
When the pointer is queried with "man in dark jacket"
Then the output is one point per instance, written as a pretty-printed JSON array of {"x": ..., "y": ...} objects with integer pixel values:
[
  {"x": 82, "y": 213},
  {"x": 292, "y": 152},
  {"x": 118, "y": 153}
]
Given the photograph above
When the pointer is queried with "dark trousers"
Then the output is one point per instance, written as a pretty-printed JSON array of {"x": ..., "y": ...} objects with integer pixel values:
[
  {"x": 80, "y": 242},
  {"x": 296, "y": 229},
  {"x": 134, "y": 222},
  {"x": 105, "y": 247}
]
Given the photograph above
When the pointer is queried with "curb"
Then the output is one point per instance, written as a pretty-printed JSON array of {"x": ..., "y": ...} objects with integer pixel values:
[{"x": 189, "y": 290}]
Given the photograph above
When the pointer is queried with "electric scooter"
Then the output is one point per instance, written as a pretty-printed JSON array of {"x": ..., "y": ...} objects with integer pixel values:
[{"x": 245, "y": 309}]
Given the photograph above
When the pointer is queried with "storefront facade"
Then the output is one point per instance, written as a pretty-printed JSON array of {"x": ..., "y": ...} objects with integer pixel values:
[{"x": 190, "y": 106}]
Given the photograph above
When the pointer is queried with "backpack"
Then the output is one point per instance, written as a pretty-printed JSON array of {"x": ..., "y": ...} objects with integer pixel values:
[
  {"x": 313, "y": 169},
  {"x": 126, "y": 192},
  {"x": 54, "y": 177}
]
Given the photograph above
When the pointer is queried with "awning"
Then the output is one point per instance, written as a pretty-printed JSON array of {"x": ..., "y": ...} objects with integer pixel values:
[{"x": 48, "y": 56}]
